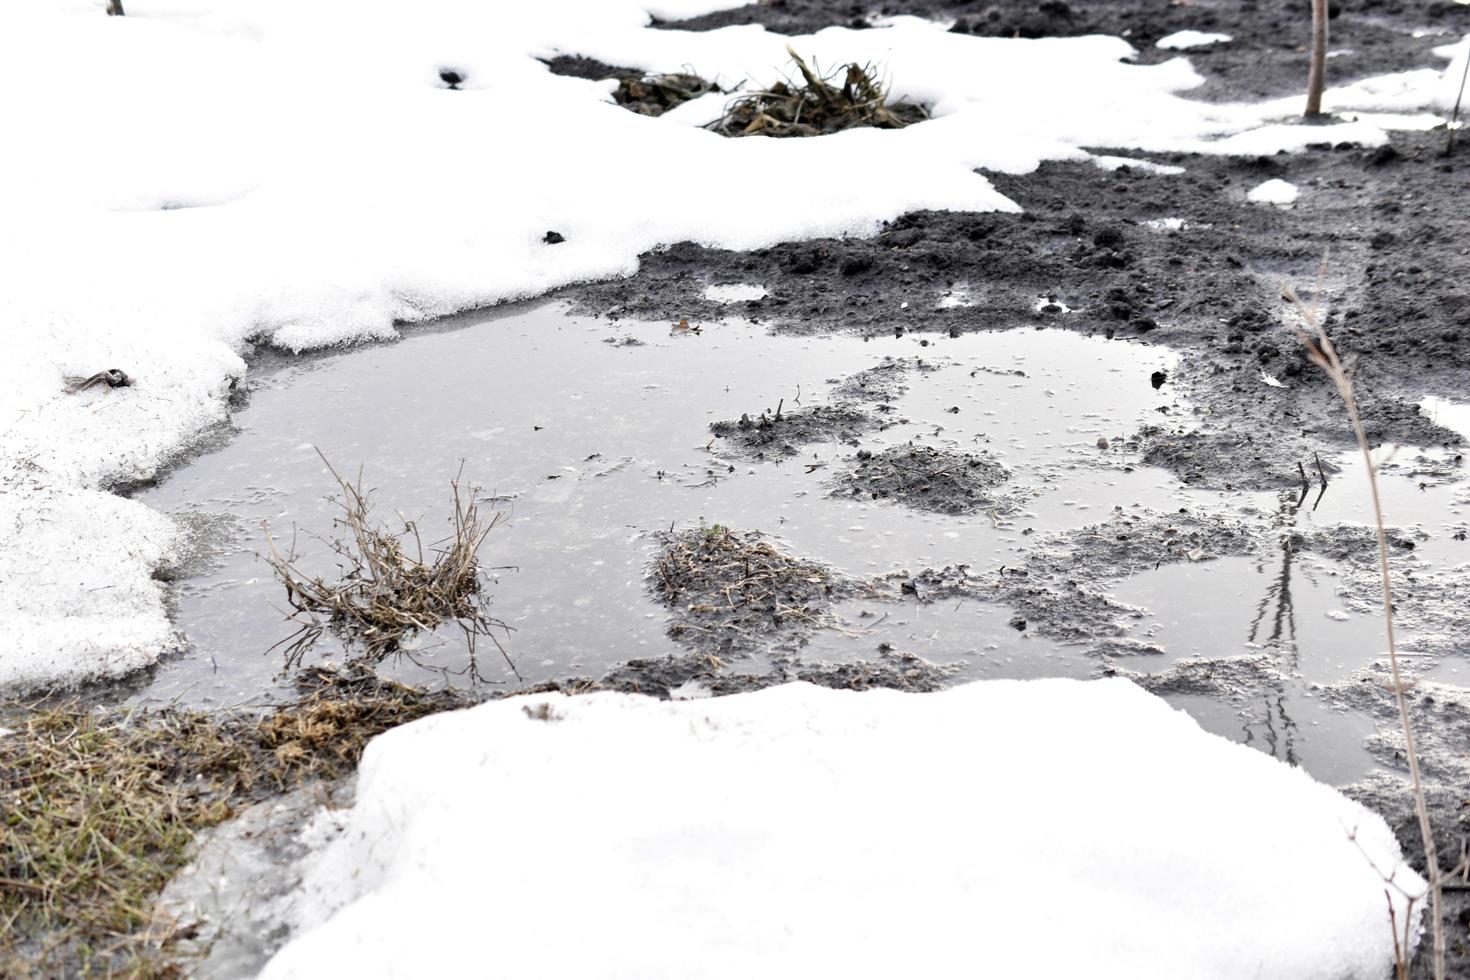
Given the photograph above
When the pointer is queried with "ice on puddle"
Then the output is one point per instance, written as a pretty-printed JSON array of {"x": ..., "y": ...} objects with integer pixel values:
[{"x": 820, "y": 814}]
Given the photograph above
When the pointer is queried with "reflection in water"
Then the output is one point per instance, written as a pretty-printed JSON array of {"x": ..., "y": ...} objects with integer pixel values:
[{"x": 1276, "y": 619}]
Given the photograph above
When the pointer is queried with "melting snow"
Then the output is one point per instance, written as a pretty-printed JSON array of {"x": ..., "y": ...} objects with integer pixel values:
[
  {"x": 1186, "y": 40},
  {"x": 735, "y": 293},
  {"x": 805, "y": 831},
  {"x": 1274, "y": 191}
]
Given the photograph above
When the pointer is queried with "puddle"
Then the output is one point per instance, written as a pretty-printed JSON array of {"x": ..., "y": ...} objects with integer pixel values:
[
  {"x": 594, "y": 438},
  {"x": 592, "y": 447},
  {"x": 1269, "y": 630}
]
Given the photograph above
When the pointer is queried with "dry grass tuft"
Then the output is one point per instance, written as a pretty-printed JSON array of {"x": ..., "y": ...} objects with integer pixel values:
[
  {"x": 653, "y": 95},
  {"x": 820, "y": 106},
  {"x": 98, "y": 810},
  {"x": 390, "y": 588}
]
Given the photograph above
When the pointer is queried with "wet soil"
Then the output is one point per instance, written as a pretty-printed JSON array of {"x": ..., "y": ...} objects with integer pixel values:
[
  {"x": 943, "y": 481},
  {"x": 775, "y": 432}
]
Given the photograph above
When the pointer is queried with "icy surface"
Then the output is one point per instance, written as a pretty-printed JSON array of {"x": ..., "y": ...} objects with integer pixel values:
[
  {"x": 1283, "y": 194},
  {"x": 801, "y": 831},
  {"x": 298, "y": 174},
  {"x": 1185, "y": 40}
]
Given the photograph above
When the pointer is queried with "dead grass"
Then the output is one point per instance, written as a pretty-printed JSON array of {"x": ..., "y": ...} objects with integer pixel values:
[
  {"x": 389, "y": 586},
  {"x": 100, "y": 809},
  {"x": 1321, "y": 351},
  {"x": 653, "y": 95},
  {"x": 818, "y": 105},
  {"x": 726, "y": 589}
]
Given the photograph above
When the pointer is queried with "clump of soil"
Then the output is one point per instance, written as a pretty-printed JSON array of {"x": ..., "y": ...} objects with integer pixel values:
[
  {"x": 885, "y": 382},
  {"x": 848, "y": 97},
  {"x": 938, "y": 480},
  {"x": 653, "y": 95},
  {"x": 100, "y": 809},
  {"x": 780, "y": 432},
  {"x": 733, "y": 593}
]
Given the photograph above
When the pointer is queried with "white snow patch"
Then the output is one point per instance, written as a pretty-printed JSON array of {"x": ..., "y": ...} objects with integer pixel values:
[
  {"x": 1274, "y": 191},
  {"x": 1186, "y": 40},
  {"x": 690, "y": 690},
  {"x": 1449, "y": 88},
  {"x": 297, "y": 173},
  {"x": 739, "y": 292},
  {"x": 801, "y": 831},
  {"x": 1147, "y": 166},
  {"x": 1454, "y": 416}
]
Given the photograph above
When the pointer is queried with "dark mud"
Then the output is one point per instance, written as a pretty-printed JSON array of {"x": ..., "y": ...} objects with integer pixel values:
[
  {"x": 776, "y": 433},
  {"x": 882, "y": 383},
  {"x": 696, "y": 676},
  {"x": 941, "y": 481}
]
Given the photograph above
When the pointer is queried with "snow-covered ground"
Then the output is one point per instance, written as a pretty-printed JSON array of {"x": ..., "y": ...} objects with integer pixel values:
[
  {"x": 1006, "y": 828},
  {"x": 197, "y": 176}
]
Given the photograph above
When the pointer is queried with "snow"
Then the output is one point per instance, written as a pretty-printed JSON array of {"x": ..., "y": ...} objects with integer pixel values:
[
  {"x": 737, "y": 292},
  {"x": 1185, "y": 40},
  {"x": 1274, "y": 191},
  {"x": 1454, "y": 416},
  {"x": 218, "y": 174},
  {"x": 1450, "y": 86},
  {"x": 1008, "y": 828}
]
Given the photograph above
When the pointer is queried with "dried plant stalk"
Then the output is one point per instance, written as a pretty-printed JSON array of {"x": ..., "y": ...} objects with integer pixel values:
[
  {"x": 1317, "y": 71},
  {"x": 1320, "y": 350}
]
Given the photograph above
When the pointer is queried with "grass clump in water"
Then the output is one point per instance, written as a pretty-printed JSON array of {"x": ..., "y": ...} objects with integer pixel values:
[
  {"x": 99, "y": 809},
  {"x": 821, "y": 104},
  {"x": 391, "y": 587}
]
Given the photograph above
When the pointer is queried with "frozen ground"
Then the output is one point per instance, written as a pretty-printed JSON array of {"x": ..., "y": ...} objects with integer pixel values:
[{"x": 297, "y": 174}]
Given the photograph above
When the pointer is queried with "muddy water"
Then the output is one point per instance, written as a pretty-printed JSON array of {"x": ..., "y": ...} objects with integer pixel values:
[{"x": 592, "y": 438}]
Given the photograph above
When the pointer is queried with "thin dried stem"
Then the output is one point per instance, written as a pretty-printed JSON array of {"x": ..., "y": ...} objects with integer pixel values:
[{"x": 1320, "y": 350}]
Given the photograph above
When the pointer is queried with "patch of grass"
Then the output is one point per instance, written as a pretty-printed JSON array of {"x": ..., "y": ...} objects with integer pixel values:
[
  {"x": 821, "y": 104},
  {"x": 99, "y": 809},
  {"x": 390, "y": 586}
]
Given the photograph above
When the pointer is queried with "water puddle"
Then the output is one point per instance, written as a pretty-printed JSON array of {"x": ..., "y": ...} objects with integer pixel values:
[
  {"x": 594, "y": 440},
  {"x": 1245, "y": 641}
]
